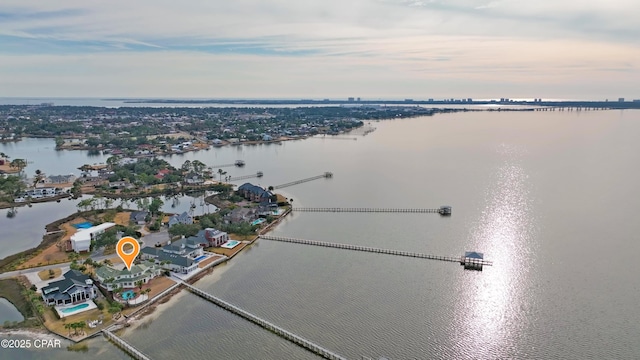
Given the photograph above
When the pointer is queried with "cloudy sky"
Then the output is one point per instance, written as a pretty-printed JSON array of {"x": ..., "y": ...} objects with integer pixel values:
[{"x": 588, "y": 49}]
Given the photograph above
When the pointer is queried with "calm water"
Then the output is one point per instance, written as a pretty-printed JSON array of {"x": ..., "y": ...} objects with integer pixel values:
[
  {"x": 551, "y": 198},
  {"x": 8, "y": 312}
]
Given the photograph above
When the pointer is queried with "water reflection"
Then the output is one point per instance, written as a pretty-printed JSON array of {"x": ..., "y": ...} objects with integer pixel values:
[{"x": 492, "y": 315}]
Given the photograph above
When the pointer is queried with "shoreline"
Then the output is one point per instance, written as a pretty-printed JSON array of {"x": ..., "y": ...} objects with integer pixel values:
[{"x": 150, "y": 310}]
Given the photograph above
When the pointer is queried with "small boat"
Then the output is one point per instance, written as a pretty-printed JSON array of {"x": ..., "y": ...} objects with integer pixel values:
[{"x": 239, "y": 163}]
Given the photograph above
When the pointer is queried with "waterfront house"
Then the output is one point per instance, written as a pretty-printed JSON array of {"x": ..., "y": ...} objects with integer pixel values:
[
  {"x": 40, "y": 193},
  {"x": 138, "y": 217},
  {"x": 127, "y": 161},
  {"x": 180, "y": 256},
  {"x": 120, "y": 185},
  {"x": 241, "y": 215},
  {"x": 75, "y": 287},
  {"x": 60, "y": 179},
  {"x": 193, "y": 179},
  {"x": 255, "y": 193},
  {"x": 183, "y": 218},
  {"x": 111, "y": 278},
  {"x": 214, "y": 237},
  {"x": 81, "y": 240}
]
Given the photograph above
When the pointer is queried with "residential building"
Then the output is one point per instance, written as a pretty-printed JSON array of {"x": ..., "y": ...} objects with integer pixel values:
[
  {"x": 111, "y": 278},
  {"x": 255, "y": 193},
  {"x": 193, "y": 179},
  {"x": 74, "y": 288},
  {"x": 60, "y": 179},
  {"x": 81, "y": 240},
  {"x": 183, "y": 218},
  {"x": 239, "y": 215},
  {"x": 215, "y": 237},
  {"x": 180, "y": 256},
  {"x": 139, "y": 217}
]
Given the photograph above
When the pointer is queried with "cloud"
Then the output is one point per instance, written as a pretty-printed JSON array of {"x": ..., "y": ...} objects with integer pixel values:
[{"x": 250, "y": 43}]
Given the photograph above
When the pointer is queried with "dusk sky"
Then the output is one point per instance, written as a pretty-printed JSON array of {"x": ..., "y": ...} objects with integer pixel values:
[{"x": 321, "y": 49}]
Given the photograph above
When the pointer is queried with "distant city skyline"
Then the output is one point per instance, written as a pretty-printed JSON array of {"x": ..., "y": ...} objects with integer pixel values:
[{"x": 372, "y": 49}]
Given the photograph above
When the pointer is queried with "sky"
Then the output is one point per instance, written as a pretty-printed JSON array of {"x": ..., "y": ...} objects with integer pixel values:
[{"x": 373, "y": 49}]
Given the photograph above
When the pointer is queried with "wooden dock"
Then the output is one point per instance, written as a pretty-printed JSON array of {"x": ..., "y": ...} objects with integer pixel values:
[
  {"x": 440, "y": 211},
  {"x": 256, "y": 175},
  {"x": 326, "y": 175},
  {"x": 128, "y": 348},
  {"x": 296, "y": 339},
  {"x": 456, "y": 259}
]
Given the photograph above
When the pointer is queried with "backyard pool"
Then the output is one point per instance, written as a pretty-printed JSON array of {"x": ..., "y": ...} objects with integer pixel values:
[
  {"x": 129, "y": 294},
  {"x": 199, "y": 258},
  {"x": 230, "y": 244},
  {"x": 74, "y": 308},
  {"x": 258, "y": 221},
  {"x": 83, "y": 225}
]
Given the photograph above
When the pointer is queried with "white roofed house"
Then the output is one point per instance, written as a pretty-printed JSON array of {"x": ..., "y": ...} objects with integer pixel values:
[{"x": 81, "y": 240}]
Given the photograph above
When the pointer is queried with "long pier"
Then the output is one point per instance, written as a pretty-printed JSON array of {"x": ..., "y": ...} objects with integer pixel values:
[
  {"x": 457, "y": 259},
  {"x": 442, "y": 210},
  {"x": 256, "y": 175},
  {"x": 326, "y": 175},
  {"x": 128, "y": 348},
  {"x": 298, "y": 340}
]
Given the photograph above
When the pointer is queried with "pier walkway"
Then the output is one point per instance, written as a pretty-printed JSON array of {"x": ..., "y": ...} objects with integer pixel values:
[
  {"x": 326, "y": 175},
  {"x": 298, "y": 340},
  {"x": 128, "y": 348},
  {"x": 457, "y": 259},
  {"x": 256, "y": 175},
  {"x": 442, "y": 211}
]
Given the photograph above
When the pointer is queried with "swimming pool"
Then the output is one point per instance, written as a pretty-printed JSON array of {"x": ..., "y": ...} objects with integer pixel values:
[
  {"x": 230, "y": 244},
  {"x": 83, "y": 225},
  {"x": 258, "y": 221},
  {"x": 74, "y": 308},
  {"x": 129, "y": 294},
  {"x": 200, "y": 258}
]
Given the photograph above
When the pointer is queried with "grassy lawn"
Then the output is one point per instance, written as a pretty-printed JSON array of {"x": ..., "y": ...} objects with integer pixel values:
[
  {"x": 242, "y": 237},
  {"x": 46, "y": 275},
  {"x": 157, "y": 285},
  {"x": 11, "y": 290},
  {"x": 122, "y": 218},
  {"x": 227, "y": 252},
  {"x": 54, "y": 324}
]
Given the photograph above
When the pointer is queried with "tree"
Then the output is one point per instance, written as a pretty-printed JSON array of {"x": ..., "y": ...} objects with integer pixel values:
[
  {"x": 68, "y": 327},
  {"x": 143, "y": 204},
  {"x": 184, "y": 229},
  {"x": 38, "y": 178},
  {"x": 107, "y": 262},
  {"x": 139, "y": 284},
  {"x": 108, "y": 203},
  {"x": 198, "y": 166},
  {"x": 112, "y": 161},
  {"x": 186, "y": 166},
  {"x": 84, "y": 204},
  {"x": 155, "y": 205},
  {"x": 59, "y": 142},
  {"x": 19, "y": 164}
]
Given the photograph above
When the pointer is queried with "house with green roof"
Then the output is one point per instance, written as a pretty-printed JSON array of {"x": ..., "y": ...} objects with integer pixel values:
[{"x": 111, "y": 278}]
